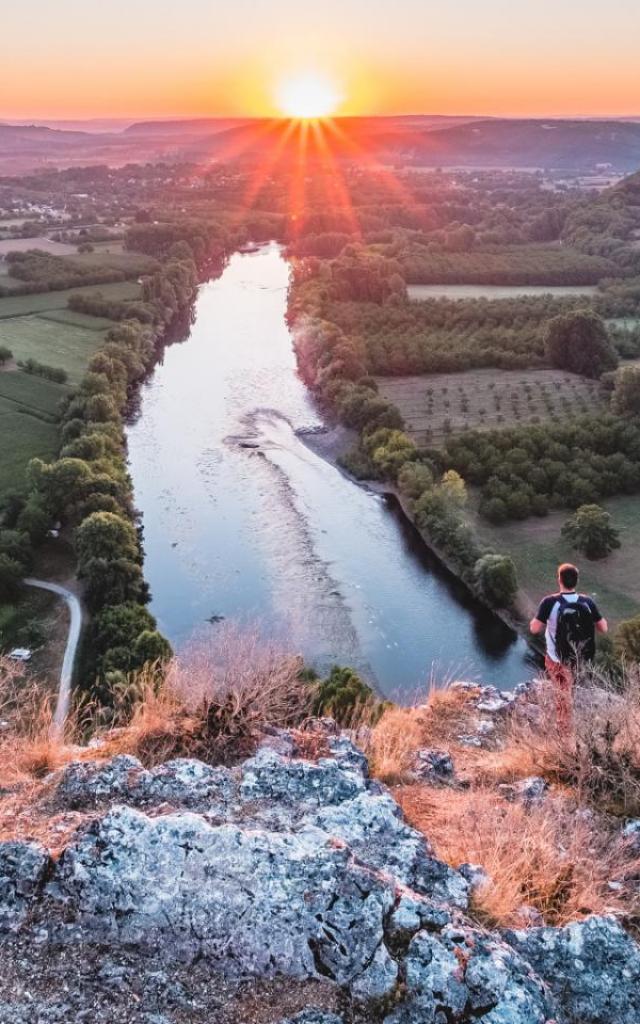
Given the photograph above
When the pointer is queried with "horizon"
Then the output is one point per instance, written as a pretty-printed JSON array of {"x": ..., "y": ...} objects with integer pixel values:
[{"x": 124, "y": 121}]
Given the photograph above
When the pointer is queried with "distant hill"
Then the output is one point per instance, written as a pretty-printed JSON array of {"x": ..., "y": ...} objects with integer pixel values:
[{"x": 420, "y": 140}]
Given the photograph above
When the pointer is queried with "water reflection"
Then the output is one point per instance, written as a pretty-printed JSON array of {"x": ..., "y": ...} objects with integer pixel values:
[{"x": 241, "y": 519}]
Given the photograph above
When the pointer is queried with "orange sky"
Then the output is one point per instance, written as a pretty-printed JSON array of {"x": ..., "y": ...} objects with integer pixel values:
[{"x": 75, "y": 58}]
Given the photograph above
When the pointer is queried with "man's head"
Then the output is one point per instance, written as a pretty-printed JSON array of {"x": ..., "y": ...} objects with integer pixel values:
[{"x": 568, "y": 576}]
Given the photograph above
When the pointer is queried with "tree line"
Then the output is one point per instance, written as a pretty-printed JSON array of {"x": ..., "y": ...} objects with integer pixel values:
[{"x": 88, "y": 489}]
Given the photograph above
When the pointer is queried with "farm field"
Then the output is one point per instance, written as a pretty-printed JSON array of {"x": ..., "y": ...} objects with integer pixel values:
[
  {"x": 418, "y": 292},
  {"x": 35, "y": 394},
  {"x": 28, "y": 427},
  {"x": 62, "y": 344},
  {"x": 437, "y": 405},
  {"x": 23, "y": 305},
  {"x": 129, "y": 262},
  {"x": 41, "y": 242},
  {"x": 542, "y": 263},
  {"x": 537, "y": 549}
]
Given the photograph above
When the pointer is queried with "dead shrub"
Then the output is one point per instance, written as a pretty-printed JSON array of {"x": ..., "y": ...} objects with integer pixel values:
[
  {"x": 213, "y": 702},
  {"x": 600, "y": 757}
]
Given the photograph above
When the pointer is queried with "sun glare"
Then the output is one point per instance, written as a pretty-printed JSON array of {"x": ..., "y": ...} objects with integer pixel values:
[{"x": 307, "y": 95}]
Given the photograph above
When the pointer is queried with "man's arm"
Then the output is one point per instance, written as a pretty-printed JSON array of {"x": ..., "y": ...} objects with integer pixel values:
[
  {"x": 600, "y": 623},
  {"x": 538, "y": 623}
]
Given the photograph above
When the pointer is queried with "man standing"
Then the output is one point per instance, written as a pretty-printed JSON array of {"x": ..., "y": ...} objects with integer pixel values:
[{"x": 569, "y": 621}]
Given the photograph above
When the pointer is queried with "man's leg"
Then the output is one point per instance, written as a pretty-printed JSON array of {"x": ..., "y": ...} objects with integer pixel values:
[{"x": 562, "y": 678}]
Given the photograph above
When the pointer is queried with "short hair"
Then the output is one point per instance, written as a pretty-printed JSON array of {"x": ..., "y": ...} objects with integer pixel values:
[{"x": 568, "y": 575}]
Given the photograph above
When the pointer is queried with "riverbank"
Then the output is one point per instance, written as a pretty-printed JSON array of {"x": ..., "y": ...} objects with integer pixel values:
[{"x": 335, "y": 441}]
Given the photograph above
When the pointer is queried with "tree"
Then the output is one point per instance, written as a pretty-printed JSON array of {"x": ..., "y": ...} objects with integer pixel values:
[
  {"x": 105, "y": 535},
  {"x": 589, "y": 531},
  {"x": 626, "y": 642},
  {"x": 579, "y": 342},
  {"x": 116, "y": 632},
  {"x": 16, "y": 545},
  {"x": 496, "y": 579},
  {"x": 34, "y": 519},
  {"x": 5, "y": 354},
  {"x": 113, "y": 581},
  {"x": 414, "y": 478},
  {"x": 11, "y": 574},
  {"x": 389, "y": 450},
  {"x": 454, "y": 489},
  {"x": 626, "y": 391},
  {"x": 150, "y": 645},
  {"x": 60, "y": 483}
]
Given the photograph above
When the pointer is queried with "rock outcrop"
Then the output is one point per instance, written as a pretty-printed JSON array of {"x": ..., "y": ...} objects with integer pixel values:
[{"x": 306, "y": 870}]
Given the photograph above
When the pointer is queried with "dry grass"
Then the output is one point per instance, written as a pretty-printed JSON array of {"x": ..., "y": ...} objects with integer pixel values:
[
  {"x": 212, "y": 703},
  {"x": 599, "y": 759},
  {"x": 546, "y": 857},
  {"x": 400, "y": 732},
  {"x": 30, "y": 746}
]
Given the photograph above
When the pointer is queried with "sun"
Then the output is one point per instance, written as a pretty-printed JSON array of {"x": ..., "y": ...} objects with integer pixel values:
[{"x": 308, "y": 95}]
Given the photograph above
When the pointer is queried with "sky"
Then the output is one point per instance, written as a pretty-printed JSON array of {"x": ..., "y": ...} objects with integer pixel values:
[{"x": 151, "y": 58}]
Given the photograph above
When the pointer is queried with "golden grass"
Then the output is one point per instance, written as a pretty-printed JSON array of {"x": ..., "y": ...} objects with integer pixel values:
[
  {"x": 391, "y": 743},
  {"x": 212, "y": 703},
  {"x": 545, "y": 857}
]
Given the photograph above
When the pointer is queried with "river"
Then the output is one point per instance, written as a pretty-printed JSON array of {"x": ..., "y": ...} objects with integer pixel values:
[{"x": 242, "y": 521}]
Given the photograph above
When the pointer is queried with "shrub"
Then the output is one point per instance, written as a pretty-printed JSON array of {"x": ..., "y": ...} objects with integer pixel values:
[
  {"x": 627, "y": 640},
  {"x": 343, "y": 695},
  {"x": 496, "y": 580},
  {"x": 579, "y": 342},
  {"x": 589, "y": 531}
]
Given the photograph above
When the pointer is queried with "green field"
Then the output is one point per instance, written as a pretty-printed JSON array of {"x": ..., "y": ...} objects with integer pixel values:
[
  {"x": 28, "y": 426},
  {"x": 129, "y": 262},
  {"x": 39, "y": 302},
  {"x": 32, "y": 393},
  {"x": 537, "y": 549},
  {"x": 66, "y": 345}
]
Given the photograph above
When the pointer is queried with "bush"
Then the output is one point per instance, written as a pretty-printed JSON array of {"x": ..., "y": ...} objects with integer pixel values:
[
  {"x": 590, "y": 532},
  {"x": 579, "y": 342},
  {"x": 343, "y": 696},
  {"x": 496, "y": 580},
  {"x": 626, "y": 393},
  {"x": 627, "y": 640}
]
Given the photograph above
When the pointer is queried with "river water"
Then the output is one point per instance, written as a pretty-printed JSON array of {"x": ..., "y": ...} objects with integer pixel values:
[{"x": 242, "y": 521}]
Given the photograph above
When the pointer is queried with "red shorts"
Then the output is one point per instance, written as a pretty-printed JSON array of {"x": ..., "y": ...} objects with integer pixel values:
[{"x": 562, "y": 678}]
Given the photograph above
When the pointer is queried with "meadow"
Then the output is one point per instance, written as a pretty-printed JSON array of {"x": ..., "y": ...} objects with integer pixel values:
[
  {"x": 61, "y": 343},
  {"x": 31, "y": 437},
  {"x": 28, "y": 424},
  {"x": 537, "y": 549},
  {"x": 38, "y": 302},
  {"x": 434, "y": 407},
  {"x": 41, "y": 242},
  {"x": 419, "y": 292}
]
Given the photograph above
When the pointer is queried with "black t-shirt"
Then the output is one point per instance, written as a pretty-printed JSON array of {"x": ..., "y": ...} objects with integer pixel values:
[{"x": 548, "y": 613}]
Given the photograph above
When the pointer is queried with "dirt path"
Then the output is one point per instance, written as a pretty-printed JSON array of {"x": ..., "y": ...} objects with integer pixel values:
[{"x": 75, "y": 627}]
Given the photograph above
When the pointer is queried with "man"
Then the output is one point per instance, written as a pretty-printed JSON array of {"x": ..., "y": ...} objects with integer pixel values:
[{"x": 569, "y": 621}]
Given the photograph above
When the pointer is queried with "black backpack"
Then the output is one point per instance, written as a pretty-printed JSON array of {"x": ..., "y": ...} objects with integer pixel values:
[{"x": 575, "y": 631}]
